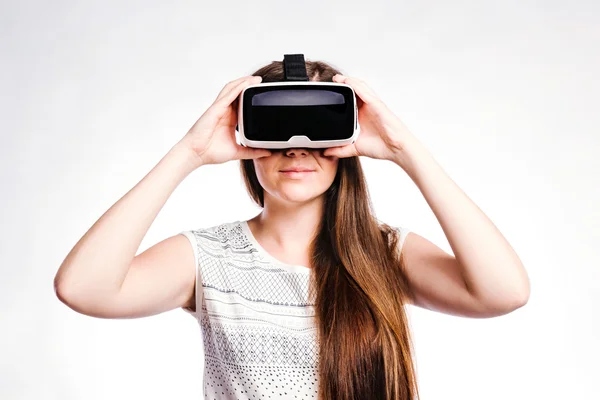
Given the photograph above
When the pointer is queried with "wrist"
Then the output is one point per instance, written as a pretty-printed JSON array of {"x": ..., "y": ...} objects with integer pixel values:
[
  {"x": 412, "y": 157},
  {"x": 185, "y": 157}
]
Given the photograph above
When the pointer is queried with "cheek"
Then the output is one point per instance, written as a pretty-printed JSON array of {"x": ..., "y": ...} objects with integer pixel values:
[
  {"x": 266, "y": 173},
  {"x": 263, "y": 164},
  {"x": 332, "y": 167},
  {"x": 261, "y": 174}
]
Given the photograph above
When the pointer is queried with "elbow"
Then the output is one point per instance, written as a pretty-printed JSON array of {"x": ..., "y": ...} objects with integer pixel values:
[
  {"x": 517, "y": 300},
  {"x": 59, "y": 289},
  {"x": 62, "y": 292},
  {"x": 504, "y": 303},
  {"x": 502, "y": 306},
  {"x": 68, "y": 294},
  {"x": 523, "y": 298},
  {"x": 519, "y": 294},
  {"x": 60, "y": 286}
]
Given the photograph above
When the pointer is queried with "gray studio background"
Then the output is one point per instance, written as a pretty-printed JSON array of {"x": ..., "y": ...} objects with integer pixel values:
[{"x": 504, "y": 94}]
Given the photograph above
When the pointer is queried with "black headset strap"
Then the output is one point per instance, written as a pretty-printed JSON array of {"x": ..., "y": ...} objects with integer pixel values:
[{"x": 294, "y": 67}]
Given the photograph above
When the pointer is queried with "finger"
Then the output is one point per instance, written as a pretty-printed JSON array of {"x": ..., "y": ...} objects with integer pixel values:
[
  {"x": 231, "y": 84},
  {"x": 248, "y": 153},
  {"x": 234, "y": 90},
  {"x": 366, "y": 94},
  {"x": 341, "y": 151},
  {"x": 219, "y": 107}
]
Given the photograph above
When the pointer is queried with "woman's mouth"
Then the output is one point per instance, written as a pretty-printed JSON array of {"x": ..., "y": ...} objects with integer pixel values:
[{"x": 297, "y": 174}]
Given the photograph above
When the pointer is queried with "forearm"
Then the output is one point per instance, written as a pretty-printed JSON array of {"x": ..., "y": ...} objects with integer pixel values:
[
  {"x": 99, "y": 262},
  {"x": 491, "y": 269}
]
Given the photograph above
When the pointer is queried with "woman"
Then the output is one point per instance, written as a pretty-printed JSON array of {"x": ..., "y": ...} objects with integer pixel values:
[{"x": 306, "y": 299}]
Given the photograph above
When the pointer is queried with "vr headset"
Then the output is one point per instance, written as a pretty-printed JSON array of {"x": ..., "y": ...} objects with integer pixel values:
[{"x": 296, "y": 112}]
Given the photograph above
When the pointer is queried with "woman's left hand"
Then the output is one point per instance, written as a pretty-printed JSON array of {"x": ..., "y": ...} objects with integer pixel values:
[{"x": 382, "y": 134}]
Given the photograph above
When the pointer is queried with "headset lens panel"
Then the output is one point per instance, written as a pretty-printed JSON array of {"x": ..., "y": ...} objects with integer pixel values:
[{"x": 319, "y": 112}]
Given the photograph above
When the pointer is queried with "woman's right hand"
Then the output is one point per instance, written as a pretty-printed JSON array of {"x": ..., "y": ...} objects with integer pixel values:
[{"x": 212, "y": 138}]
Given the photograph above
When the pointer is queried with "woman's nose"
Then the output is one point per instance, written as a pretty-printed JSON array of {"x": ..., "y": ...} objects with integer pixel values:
[{"x": 296, "y": 152}]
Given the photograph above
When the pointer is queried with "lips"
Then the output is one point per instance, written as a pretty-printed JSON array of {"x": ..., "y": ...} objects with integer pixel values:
[{"x": 297, "y": 169}]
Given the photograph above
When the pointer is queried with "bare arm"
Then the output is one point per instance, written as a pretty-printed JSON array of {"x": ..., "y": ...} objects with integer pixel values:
[
  {"x": 102, "y": 276},
  {"x": 486, "y": 278},
  {"x": 94, "y": 272}
]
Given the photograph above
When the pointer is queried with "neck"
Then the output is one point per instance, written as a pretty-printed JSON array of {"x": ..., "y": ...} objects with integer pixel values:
[{"x": 288, "y": 228}]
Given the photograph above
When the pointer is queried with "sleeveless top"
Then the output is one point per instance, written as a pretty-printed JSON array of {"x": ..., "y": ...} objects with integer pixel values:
[{"x": 256, "y": 316}]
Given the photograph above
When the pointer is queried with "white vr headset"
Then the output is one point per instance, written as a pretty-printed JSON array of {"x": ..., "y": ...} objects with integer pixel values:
[{"x": 296, "y": 112}]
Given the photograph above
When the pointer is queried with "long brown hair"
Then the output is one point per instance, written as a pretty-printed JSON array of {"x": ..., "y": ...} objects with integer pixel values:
[{"x": 360, "y": 287}]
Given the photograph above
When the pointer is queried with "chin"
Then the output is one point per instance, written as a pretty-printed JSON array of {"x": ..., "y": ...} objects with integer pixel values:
[{"x": 299, "y": 194}]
